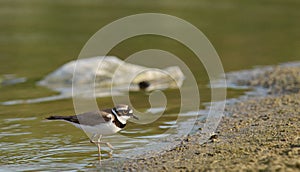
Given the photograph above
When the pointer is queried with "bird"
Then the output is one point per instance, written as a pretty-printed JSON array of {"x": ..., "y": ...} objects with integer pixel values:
[{"x": 101, "y": 122}]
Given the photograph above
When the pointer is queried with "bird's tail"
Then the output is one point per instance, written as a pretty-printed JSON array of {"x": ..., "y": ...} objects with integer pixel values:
[{"x": 56, "y": 118}]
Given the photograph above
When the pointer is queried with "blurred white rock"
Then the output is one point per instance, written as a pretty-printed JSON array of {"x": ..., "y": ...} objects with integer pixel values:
[
  {"x": 104, "y": 76},
  {"x": 109, "y": 71}
]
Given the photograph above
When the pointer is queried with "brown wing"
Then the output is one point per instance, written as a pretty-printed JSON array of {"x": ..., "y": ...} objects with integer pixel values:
[
  {"x": 88, "y": 118},
  {"x": 94, "y": 118}
]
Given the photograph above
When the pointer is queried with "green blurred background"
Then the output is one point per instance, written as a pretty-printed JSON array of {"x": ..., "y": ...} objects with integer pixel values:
[{"x": 38, "y": 36}]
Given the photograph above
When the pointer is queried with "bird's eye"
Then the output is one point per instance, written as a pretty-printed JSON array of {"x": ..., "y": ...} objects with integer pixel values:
[{"x": 125, "y": 112}]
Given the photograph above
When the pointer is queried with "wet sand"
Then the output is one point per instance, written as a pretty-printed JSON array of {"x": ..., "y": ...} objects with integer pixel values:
[{"x": 257, "y": 134}]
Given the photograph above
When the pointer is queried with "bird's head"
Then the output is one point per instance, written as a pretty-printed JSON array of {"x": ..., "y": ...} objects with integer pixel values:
[{"x": 123, "y": 113}]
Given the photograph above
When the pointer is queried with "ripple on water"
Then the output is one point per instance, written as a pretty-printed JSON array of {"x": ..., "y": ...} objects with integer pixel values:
[
  {"x": 19, "y": 119},
  {"x": 13, "y": 127}
]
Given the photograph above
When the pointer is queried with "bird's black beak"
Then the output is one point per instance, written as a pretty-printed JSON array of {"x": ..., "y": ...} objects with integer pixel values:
[{"x": 135, "y": 117}]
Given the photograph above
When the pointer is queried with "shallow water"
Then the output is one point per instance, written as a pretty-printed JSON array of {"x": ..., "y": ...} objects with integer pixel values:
[{"x": 37, "y": 37}]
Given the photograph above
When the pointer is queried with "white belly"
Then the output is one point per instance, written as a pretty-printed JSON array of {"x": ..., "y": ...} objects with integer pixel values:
[{"x": 101, "y": 129}]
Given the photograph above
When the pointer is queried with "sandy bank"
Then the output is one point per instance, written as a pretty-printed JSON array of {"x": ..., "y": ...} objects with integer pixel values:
[{"x": 258, "y": 134}]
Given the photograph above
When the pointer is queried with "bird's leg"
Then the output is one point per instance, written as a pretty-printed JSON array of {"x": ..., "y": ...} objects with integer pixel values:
[
  {"x": 99, "y": 151},
  {"x": 111, "y": 148},
  {"x": 98, "y": 142},
  {"x": 108, "y": 145},
  {"x": 99, "y": 147}
]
